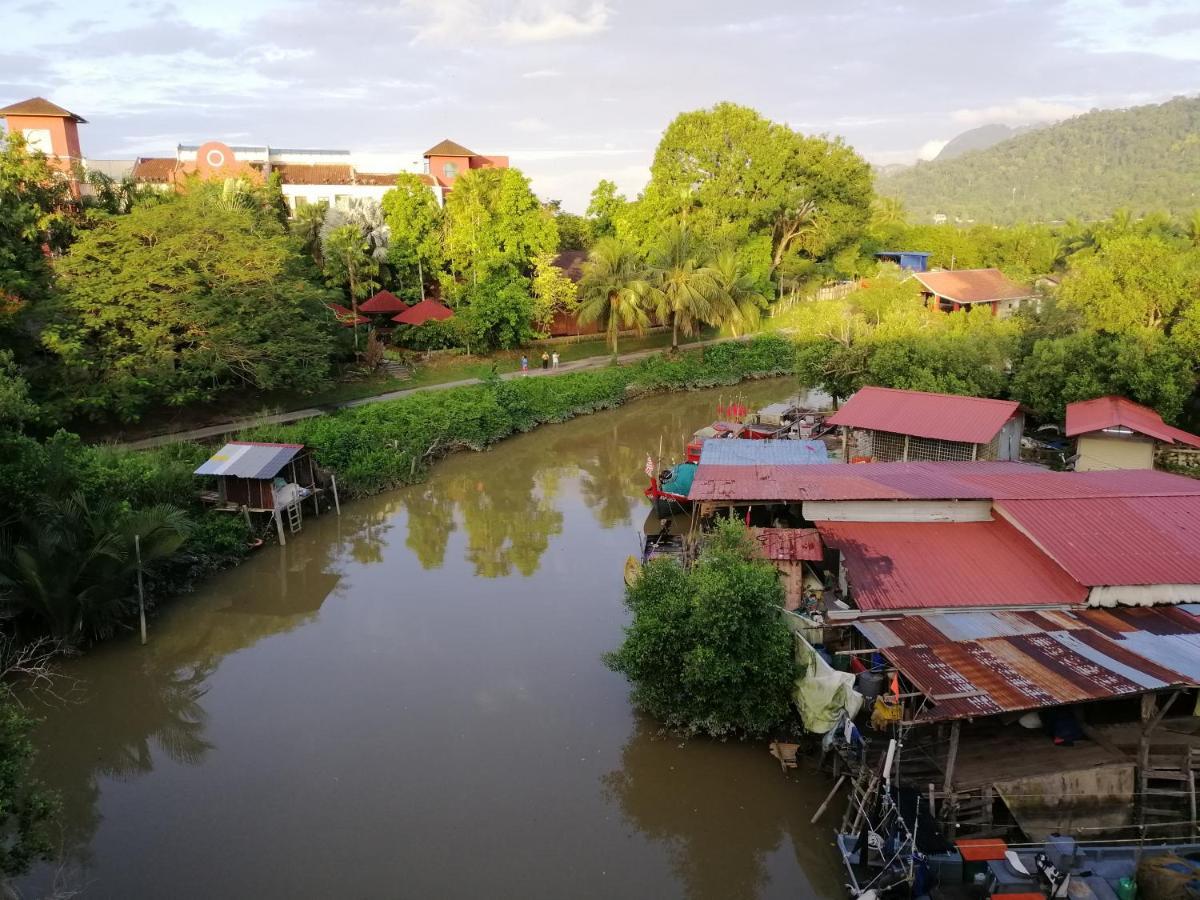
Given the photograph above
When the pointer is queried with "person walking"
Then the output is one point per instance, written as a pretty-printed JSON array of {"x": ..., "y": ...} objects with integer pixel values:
[
  {"x": 554, "y": 360},
  {"x": 524, "y": 364},
  {"x": 545, "y": 360}
]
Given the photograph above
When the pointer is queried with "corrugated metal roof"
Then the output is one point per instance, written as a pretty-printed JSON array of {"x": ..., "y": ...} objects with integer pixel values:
[
  {"x": 931, "y": 565},
  {"x": 984, "y": 663},
  {"x": 789, "y": 544},
  {"x": 944, "y": 417},
  {"x": 743, "y": 452},
  {"x": 929, "y": 481},
  {"x": 1116, "y": 540},
  {"x": 248, "y": 459},
  {"x": 1114, "y": 412},
  {"x": 972, "y": 285}
]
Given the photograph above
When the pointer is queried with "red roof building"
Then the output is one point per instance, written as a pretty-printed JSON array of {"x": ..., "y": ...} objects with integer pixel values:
[
  {"x": 446, "y": 160},
  {"x": 936, "y": 565},
  {"x": 900, "y": 426},
  {"x": 967, "y": 288},
  {"x": 51, "y": 129},
  {"x": 423, "y": 312},
  {"x": 383, "y": 302},
  {"x": 1115, "y": 433}
]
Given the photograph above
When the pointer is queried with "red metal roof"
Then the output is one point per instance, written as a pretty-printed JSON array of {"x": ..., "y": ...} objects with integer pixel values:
[
  {"x": 983, "y": 663},
  {"x": 422, "y": 312},
  {"x": 1116, "y": 540},
  {"x": 383, "y": 302},
  {"x": 972, "y": 285},
  {"x": 934, "y": 565},
  {"x": 1117, "y": 412},
  {"x": 944, "y": 417},
  {"x": 789, "y": 544},
  {"x": 927, "y": 481}
]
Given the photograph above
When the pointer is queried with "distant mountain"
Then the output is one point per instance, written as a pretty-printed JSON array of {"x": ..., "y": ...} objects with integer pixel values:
[
  {"x": 980, "y": 139},
  {"x": 1145, "y": 158}
]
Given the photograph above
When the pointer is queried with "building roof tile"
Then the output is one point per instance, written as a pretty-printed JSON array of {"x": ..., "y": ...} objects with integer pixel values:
[
  {"x": 301, "y": 173},
  {"x": 972, "y": 285},
  {"x": 946, "y": 417},
  {"x": 40, "y": 106},
  {"x": 154, "y": 169},
  {"x": 448, "y": 148},
  {"x": 1117, "y": 412}
]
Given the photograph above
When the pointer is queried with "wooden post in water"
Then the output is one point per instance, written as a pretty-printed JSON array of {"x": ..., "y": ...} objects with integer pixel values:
[
  {"x": 278, "y": 517},
  {"x": 336, "y": 503},
  {"x": 137, "y": 549}
]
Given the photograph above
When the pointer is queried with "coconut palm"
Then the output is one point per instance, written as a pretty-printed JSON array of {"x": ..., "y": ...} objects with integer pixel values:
[
  {"x": 613, "y": 289},
  {"x": 681, "y": 287},
  {"x": 307, "y": 227},
  {"x": 70, "y": 565},
  {"x": 742, "y": 301}
]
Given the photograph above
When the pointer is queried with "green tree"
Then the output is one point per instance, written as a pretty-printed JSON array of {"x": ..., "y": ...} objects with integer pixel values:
[
  {"x": 178, "y": 301},
  {"x": 307, "y": 228},
  {"x": 554, "y": 292},
  {"x": 34, "y": 216},
  {"x": 350, "y": 265},
  {"x": 27, "y": 808},
  {"x": 604, "y": 208},
  {"x": 613, "y": 289},
  {"x": 739, "y": 291},
  {"x": 1131, "y": 282},
  {"x": 69, "y": 565},
  {"x": 415, "y": 221},
  {"x": 707, "y": 651},
  {"x": 497, "y": 313},
  {"x": 682, "y": 289},
  {"x": 494, "y": 222}
]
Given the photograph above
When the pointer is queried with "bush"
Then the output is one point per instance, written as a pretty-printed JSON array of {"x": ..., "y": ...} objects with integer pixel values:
[{"x": 707, "y": 651}]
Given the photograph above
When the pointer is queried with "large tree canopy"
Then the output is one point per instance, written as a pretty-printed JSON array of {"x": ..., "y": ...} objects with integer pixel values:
[
  {"x": 173, "y": 303},
  {"x": 415, "y": 222}
]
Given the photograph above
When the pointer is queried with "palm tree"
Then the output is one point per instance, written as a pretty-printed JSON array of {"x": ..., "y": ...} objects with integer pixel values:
[
  {"x": 682, "y": 287},
  {"x": 70, "y": 565},
  {"x": 613, "y": 289},
  {"x": 307, "y": 227},
  {"x": 742, "y": 300}
]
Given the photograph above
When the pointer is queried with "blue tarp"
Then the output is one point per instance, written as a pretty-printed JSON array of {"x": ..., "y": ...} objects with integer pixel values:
[
  {"x": 680, "y": 481},
  {"x": 742, "y": 452}
]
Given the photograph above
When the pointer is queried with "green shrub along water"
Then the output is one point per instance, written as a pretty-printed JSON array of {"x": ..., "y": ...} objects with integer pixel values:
[{"x": 370, "y": 448}]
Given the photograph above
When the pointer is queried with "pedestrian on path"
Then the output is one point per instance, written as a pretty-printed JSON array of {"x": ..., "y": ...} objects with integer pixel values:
[
  {"x": 554, "y": 360},
  {"x": 524, "y": 364},
  {"x": 545, "y": 360}
]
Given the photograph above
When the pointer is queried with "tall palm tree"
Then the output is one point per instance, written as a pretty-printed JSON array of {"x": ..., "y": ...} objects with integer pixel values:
[
  {"x": 613, "y": 289},
  {"x": 307, "y": 227},
  {"x": 741, "y": 299},
  {"x": 682, "y": 288},
  {"x": 70, "y": 565}
]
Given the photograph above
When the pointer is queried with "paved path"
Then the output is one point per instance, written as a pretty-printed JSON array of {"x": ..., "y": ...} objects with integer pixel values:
[{"x": 295, "y": 415}]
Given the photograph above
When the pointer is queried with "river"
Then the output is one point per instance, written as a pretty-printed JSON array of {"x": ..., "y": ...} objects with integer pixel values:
[{"x": 409, "y": 701}]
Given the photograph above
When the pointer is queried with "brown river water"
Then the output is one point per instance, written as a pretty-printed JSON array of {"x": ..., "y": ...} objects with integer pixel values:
[{"x": 409, "y": 701}]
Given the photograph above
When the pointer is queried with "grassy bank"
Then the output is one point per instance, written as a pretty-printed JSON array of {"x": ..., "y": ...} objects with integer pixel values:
[{"x": 372, "y": 448}]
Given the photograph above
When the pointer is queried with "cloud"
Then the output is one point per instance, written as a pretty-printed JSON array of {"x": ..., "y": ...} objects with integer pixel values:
[
  {"x": 531, "y": 124},
  {"x": 930, "y": 149},
  {"x": 542, "y": 73},
  {"x": 1019, "y": 112},
  {"x": 458, "y": 22}
]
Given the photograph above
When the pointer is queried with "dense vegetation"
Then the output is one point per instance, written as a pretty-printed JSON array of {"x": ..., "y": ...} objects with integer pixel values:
[
  {"x": 707, "y": 650},
  {"x": 1144, "y": 159}
]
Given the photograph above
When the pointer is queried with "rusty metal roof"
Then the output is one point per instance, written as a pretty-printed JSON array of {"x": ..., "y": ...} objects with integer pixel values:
[
  {"x": 928, "y": 481},
  {"x": 1116, "y": 540},
  {"x": 944, "y": 417},
  {"x": 789, "y": 544},
  {"x": 972, "y": 285},
  {"x": 983, "y": 663},
  {"x": 935, "y": 565},
  {"x": 1117, "y": 412}
]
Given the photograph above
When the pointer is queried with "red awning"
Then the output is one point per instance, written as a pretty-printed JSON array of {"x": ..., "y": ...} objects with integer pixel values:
[
  {"x": 383, "y": 302},
  {"x": 422, "y": 312}
]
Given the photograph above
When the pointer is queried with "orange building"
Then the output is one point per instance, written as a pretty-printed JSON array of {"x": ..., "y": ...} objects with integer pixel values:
[
  {"x": 446, "y": 160},
  {"x": 51, "y": 129}
]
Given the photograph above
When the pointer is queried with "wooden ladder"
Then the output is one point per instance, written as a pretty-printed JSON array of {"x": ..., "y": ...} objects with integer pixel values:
[{"x": 295, "y": 516}]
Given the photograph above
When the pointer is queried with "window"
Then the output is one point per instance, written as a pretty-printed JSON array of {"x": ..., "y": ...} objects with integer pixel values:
[
  {"x": 38, "y": 139},
  {"x": 449, "y": 171}
]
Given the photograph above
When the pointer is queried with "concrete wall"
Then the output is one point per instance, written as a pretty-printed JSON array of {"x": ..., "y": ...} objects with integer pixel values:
[
  {"x": 898, "y": 510},
  {"x": 1100, "y": 451}
]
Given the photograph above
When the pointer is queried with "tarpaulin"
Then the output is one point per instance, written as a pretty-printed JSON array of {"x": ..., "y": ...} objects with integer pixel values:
[{"x": 821, "y": 691}]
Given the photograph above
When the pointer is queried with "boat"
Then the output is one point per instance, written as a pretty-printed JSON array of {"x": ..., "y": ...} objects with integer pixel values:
[{"x": 662, "y": 536}]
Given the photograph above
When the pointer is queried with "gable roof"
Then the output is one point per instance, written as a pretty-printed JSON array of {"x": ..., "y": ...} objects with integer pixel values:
[
  {"x": 972, "y": 285},
  {"x": 1117, "y": 412},
  {"x": 944, "y": 417},
  {"x": 154, "y": 169},
  {"x": 249, "y": 459},
  {"x": 40, "y": 106},
  {"x": 422, "y": 312},
  {"x": 448, "y": 148},
  {"x": 383, "y": 302}
]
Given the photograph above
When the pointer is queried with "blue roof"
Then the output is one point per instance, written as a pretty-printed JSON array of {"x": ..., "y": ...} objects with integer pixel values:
[
  {"x": 904, "y": 253},
  {"x": 742, "y": 452},
  {"x": 247, "y": 459}
]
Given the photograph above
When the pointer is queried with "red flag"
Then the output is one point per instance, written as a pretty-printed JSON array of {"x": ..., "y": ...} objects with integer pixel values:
[{"x": 896, "y": 686}]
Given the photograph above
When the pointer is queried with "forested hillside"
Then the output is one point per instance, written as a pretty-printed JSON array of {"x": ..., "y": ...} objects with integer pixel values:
[{"x": 1146, "y": 158}]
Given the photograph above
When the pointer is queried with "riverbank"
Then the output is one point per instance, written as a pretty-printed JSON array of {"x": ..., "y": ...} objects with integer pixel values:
[{"x": 384, "y": 445}]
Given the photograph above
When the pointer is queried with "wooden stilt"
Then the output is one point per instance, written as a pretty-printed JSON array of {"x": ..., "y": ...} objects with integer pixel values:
[
  {"x": 951, "y": 755},
  {"x": 246, "y": 516},
  {"x": 279, "y": 527},
  {"x": 336, "y": 503}
]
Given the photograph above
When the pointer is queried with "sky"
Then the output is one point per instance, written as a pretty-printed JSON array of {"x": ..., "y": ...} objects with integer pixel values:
[{"x": 578, "y": 90}]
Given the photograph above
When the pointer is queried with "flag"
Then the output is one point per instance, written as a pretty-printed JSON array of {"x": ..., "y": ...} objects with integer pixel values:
[
  {"x": 649, "y": 466},
  {"x": 895, "y": 686}
]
